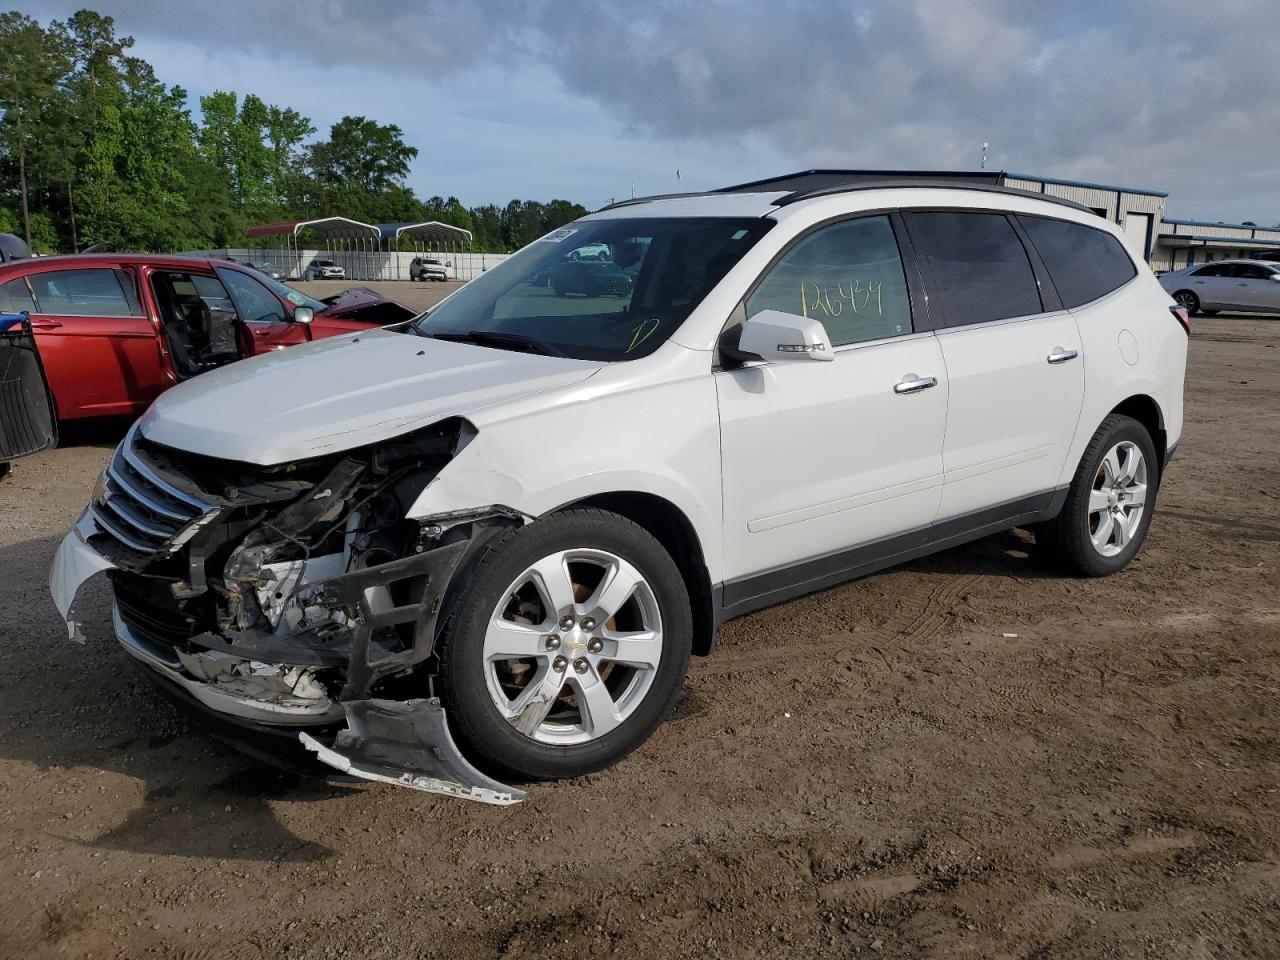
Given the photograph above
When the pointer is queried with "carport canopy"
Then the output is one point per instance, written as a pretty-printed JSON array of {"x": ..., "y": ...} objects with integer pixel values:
[
  {"x": 332, "y": 228},
  {"x": 432, "y": 231}
]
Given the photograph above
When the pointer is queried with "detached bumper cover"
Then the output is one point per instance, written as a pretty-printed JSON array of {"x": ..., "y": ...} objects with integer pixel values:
[{"x": 407, "y": 743}]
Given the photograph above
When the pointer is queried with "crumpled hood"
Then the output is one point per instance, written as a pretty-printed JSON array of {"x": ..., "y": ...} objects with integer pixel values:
[{"x": 344, "y": 392}]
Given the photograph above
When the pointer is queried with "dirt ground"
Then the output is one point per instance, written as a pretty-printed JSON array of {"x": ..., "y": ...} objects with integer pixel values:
[{"x": 971, "y": 756}]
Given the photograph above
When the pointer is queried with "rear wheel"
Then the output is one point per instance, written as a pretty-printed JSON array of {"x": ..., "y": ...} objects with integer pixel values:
[
  {"x": 1188, "y": 301},
  {"x": 1108, "y": 509},
  {"x": 567, "y": 646}
]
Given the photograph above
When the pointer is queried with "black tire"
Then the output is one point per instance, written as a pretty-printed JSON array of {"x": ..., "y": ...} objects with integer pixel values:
[
  {"x": 1067, "y": 536},
  {"x": 1188, "y": 299},
  {"x": 482, "y": 732}
]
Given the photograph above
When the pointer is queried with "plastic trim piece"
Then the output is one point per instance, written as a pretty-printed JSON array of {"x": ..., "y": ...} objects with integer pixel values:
[{"x": 407, "y": 743}]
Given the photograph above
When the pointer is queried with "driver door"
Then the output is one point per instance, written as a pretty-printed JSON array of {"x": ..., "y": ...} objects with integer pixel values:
[
  {"x": 822, "y": 458},
  {"x": 270, "y": 322},
  {"x": 1255, "y": 288}
]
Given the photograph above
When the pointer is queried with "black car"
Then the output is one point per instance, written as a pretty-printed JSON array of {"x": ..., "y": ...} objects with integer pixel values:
[{"x": 590, "y": 278}]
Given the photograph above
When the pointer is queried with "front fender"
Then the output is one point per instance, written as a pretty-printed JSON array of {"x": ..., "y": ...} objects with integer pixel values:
[{"x": 538, "y": 464}]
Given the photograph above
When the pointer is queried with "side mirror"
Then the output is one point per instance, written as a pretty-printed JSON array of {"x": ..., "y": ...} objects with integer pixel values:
[
  {"x": 303, "y": 314},
  {"x": 774, "y": 335},
  {"x": 1276, "y": 277}
]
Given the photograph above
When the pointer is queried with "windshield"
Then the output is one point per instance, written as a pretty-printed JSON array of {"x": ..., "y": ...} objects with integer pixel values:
[
  {"x": 296, "y": 297},
  {"x": 597, "y": 289}
]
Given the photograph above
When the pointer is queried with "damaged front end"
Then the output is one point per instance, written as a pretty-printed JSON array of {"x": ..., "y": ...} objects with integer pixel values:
[{"x": 297, "y": 595}]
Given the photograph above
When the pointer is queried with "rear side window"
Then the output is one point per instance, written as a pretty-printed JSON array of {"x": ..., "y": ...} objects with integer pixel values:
[
  {"x": 16, "y": 298},
  {"x": 82, "y": 293},
  {"x": 1216, "y": 270},
  {"x": 848, "y": 275},
  {"x": 1085, "y": 263},
  {"x": 977, "y": 264}
]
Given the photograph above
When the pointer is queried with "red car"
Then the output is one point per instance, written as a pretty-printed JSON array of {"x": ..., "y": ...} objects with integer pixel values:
[{"x": 114, "y": 330}]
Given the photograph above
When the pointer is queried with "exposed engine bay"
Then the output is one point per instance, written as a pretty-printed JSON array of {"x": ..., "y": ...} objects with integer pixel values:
[{"x": 298, "y": 595}]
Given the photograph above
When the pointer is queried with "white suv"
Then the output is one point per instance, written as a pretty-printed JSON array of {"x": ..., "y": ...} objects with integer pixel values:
[
  {"x": 495, "y": 534},
  {"x": 325, "y": 270}
]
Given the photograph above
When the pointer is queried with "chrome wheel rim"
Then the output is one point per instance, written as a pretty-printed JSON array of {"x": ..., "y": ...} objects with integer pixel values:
[
  {"x": 1118, "y": 499},
  {"x": 572, "y": 648}
]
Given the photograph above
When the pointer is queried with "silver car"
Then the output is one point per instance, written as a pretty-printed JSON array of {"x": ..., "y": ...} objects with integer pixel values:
[{"x": 1252, "y": 285}]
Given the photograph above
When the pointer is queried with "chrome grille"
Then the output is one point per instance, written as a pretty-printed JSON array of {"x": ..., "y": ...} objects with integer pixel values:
[{"x": 141, "y": 510}]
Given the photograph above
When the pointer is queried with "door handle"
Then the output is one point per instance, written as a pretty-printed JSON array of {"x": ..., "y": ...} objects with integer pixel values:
[
  {"x": 913, "y": 384},
  {"x": 45, "y": 324},
  {"x": 1062, "y": 356}
]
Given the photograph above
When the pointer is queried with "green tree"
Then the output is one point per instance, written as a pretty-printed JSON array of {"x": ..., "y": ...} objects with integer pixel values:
[
  {"x": 31, "y": 65},
  {"x": 361, "y": 154}
]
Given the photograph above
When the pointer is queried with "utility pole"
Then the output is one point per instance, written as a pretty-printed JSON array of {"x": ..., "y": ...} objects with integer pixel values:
[
  {"x": 22, "y": 185},
  {"x": 984, "y": 154}
]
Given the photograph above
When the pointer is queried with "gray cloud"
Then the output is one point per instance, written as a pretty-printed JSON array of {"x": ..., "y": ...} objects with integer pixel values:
[{"x": 1171, "y": 94}]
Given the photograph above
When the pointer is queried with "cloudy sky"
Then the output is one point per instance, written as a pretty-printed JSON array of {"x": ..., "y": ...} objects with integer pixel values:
[{"x": 589, "y": 100}]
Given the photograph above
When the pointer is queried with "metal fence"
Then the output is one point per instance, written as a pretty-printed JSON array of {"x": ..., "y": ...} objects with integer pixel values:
[{"x": 361, "y": 264}]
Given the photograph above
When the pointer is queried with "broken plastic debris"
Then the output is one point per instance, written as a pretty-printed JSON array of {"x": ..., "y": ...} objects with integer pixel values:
[
  {"x": 408, "y": 744},
  {"x": 1009, "y": 636}
]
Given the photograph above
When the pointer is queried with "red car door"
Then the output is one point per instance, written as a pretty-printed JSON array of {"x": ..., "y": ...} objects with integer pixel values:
[
  {"x": 99, "y": 348},
  {"x": 269, "y": 321}
]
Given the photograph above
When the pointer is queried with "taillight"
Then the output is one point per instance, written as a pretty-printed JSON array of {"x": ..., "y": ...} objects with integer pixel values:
[{"x": 1183, "y": 317}]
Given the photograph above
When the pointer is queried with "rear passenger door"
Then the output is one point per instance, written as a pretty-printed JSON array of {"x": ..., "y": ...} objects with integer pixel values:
[
  {"x": 1012, "y": 358},
  {"x": 98, "y": 346},
  {"x": 1211, "y": 285}
]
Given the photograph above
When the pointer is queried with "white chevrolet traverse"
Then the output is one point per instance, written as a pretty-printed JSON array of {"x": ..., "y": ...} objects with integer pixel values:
[{"x": 490, "y": 539}]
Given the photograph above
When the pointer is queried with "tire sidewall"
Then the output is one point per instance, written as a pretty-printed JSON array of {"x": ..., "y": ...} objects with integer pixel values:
[
  {"x": 1118, "y": 430},
  {"x": 475, "y": 719}
]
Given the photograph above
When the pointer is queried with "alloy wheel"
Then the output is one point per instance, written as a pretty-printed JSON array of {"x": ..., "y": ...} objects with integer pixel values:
[
  {"x": 1118, "y": 499},
  {"x": 573, "y": 647}
]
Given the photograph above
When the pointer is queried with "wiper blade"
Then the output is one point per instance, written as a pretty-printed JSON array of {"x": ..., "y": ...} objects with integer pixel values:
[{"x": 507, "y": 341}]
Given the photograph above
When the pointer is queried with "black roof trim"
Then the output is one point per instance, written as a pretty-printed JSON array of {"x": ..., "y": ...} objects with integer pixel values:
[
  {"x": 807, "y": 184},
  {"x": 932, "y": 185},
  {"x": 806, "y": 181},
  {"x": 632, "y": 201}
]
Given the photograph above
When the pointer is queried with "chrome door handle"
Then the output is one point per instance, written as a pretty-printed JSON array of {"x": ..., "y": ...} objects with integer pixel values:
[
  {"x": 913, "y": 384},
  {"x": 1062, "y": 356}
]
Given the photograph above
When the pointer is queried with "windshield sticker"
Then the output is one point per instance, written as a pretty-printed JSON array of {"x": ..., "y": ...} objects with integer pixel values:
[
  {"x": 555, "y": 236},
  {"x": 296, "y": 298}
]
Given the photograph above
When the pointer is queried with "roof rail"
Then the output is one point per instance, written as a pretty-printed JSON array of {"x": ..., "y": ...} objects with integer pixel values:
[
  {"x": 807, "y": 184},
  {"x": 930, "y": 184},
  {"x": 806, "y": 181},
  {"x": 631, "y": 201}
]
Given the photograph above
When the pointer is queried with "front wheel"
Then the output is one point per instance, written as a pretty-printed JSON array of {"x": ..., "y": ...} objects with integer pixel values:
[
  {"x": 1108, "y": 509},
  {"x": 566, "y": 647}
]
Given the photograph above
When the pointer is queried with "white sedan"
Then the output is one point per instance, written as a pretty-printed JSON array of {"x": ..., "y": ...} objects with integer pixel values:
[{"x": 1252, "y": 285}]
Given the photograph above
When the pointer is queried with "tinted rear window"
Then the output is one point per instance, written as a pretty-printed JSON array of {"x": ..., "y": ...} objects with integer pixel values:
[
  {"x": 978, "y": 267},
  {"x": 1084, "y": 263}
]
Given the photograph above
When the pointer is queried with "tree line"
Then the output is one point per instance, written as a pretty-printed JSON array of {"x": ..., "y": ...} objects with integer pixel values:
[{"x": 94, "y": 149}]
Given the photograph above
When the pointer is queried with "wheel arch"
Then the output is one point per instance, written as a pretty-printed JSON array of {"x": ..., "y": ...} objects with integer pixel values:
[
  {"x": 675, "y": 531},
  {"x": 1146, "y": 410}
]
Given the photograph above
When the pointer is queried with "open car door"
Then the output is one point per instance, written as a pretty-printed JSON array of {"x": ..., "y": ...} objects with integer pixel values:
[{"x": 27, "y": 420}]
